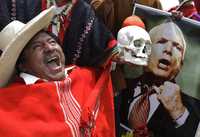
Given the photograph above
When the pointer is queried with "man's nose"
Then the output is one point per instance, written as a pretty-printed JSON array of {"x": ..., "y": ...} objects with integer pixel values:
[
  {"x": 168, "y": 48},
  {"x": 48, "y": 47}
]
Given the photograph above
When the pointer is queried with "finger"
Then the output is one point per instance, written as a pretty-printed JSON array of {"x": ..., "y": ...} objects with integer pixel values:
[
  {"x": 161, "y": 89},
  {"x": 161, "y": 98},
  {"x": 156, "y": 89},
  {"x": 169, "y": 88}
]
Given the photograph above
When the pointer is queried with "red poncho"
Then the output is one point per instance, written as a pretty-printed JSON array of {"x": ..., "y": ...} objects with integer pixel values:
[{"x": 79, "y": 105}]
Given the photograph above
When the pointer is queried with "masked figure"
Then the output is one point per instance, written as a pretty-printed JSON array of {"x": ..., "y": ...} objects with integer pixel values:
[{"x": 154, "y": 105}]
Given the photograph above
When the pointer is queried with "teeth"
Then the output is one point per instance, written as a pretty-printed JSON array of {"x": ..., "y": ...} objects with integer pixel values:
[
  {"x": 52, "y": 59},
  {"x": 163, "y": 65},
  {"x": 54, "y": 62}
]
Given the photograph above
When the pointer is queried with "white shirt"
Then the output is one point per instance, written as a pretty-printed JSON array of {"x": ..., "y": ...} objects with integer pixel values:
[
  {"x": 31, "y": 79},
  {"x": 28, "y": 78}
]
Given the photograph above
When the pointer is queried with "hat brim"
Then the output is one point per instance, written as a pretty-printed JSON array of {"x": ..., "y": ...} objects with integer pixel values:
[{"x": 16, "y": 45}]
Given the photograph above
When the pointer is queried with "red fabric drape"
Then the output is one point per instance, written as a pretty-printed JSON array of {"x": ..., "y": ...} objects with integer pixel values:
[{"x": 37, "y": 110}]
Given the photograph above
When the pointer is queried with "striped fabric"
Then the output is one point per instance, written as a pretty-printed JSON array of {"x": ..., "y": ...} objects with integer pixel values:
[
  {"x": 139, "y": 115},
  {"x": 70, "y": 107}
]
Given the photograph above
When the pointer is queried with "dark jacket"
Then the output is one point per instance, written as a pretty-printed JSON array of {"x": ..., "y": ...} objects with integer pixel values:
[
  {"x": 161, "y": 124},
  {"x": 25, "y": 10}
]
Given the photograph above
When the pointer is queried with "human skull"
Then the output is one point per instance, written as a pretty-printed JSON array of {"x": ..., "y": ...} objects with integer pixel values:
[{"x": 134, "y": 45}]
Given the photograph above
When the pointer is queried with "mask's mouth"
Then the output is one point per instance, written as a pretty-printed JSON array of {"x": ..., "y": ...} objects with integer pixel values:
[{"x": 164, "y": 64}]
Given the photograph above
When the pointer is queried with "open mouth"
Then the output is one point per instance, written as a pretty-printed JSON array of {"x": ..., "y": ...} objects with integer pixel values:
[
  {"x": 164, "y": 64},
  {"x": 54, "y": 63}
]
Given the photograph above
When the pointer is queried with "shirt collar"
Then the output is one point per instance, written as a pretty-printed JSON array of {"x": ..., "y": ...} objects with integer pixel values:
[
  {"x": 28, "y": 78},
  {"x": 31, "y": 79}
]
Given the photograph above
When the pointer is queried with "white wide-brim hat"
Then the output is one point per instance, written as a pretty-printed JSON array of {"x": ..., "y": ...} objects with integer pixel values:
[{"x": 13, "y": 39}]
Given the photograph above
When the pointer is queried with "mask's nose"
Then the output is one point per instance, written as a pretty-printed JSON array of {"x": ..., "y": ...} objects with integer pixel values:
[{"x": 168, "y": 48}]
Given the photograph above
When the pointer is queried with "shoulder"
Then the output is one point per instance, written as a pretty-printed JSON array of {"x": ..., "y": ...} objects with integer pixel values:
[
  {"x": 192, "y": 104},
  {"x": 85, "y": 74},
  {"x": 188, "y": 98},
  {"x": 81, "y": 70},
  {"x": 132, "y": 83},
  {"x": 126, "y": 95}
]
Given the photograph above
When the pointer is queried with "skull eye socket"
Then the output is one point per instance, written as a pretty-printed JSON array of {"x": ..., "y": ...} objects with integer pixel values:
[
  {"x": 148, "y": 44},
  {"x": 139, "y": 43},
  {"x": 148, "y": 48}
]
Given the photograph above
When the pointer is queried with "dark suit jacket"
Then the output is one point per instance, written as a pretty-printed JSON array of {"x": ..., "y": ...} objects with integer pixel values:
[{"x": 161, "y": 124}]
